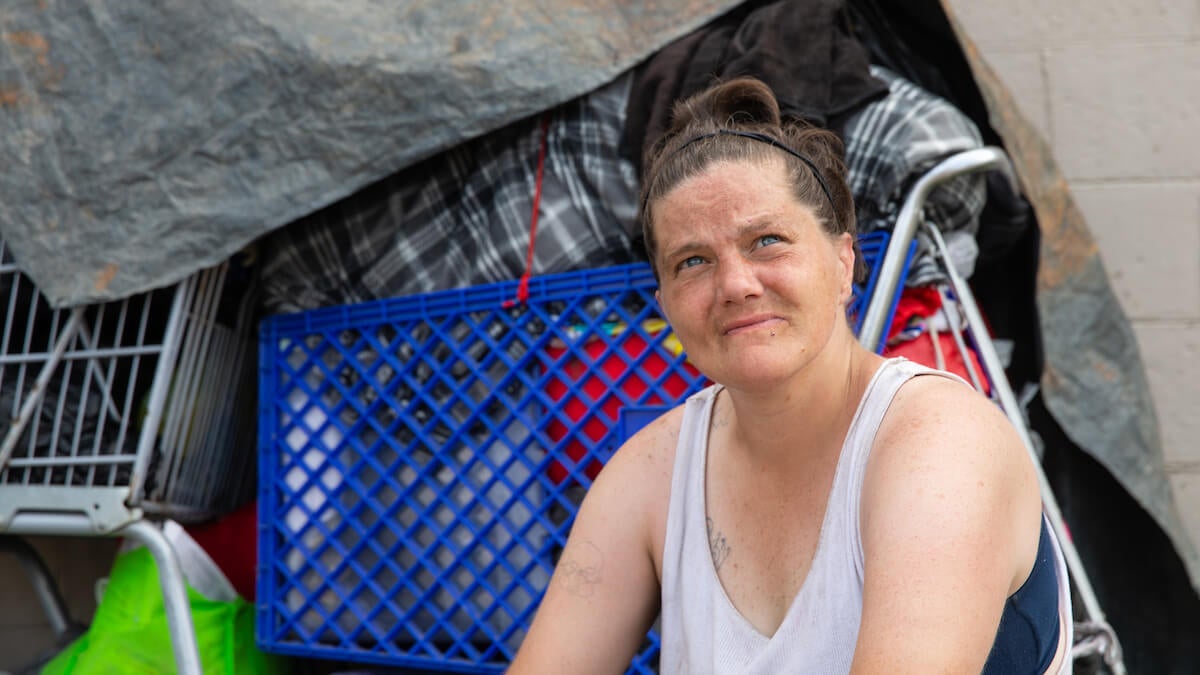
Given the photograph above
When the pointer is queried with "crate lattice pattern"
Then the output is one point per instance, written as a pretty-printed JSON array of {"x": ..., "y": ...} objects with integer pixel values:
[{"x": 422, "y": 460}]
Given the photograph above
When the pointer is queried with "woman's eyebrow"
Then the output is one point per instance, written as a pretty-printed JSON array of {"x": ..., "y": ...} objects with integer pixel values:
[
  {"x": 761, "y": 225},
  {"x": 757, "y": 225},
  {"x": 686, "y": 247}
]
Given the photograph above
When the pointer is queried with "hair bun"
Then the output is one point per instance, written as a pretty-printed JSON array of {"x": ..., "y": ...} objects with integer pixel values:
[
  {"x": 739, "y": 102},
  {"x": 745, "y": 101}
]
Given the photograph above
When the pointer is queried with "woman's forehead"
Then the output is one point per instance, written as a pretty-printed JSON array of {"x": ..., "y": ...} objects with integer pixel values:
[
  {"x": 737, "y": 193},
  {"x": 719, "y": 183},
  {"x": 738, "y": 172}
]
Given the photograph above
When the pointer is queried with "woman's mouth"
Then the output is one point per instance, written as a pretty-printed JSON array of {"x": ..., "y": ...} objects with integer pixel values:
[{"x": 768, "y": 322}]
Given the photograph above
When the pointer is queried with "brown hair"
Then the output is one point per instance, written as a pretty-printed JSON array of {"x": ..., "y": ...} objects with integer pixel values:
[{"x": 699, "y": 136}]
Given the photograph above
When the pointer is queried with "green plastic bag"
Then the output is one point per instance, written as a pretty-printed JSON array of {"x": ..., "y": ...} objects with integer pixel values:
[{"x": 129, "y": 632}]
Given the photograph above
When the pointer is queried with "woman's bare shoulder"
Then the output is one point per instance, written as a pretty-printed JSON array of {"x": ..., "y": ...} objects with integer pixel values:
[
  {"x": 606, "y": 584},
  {"x": 653, "y": 444},
  {"x": 934, "y": 411},
  {"x": 941, "y": 435},
  {"x": 643, "y": 465},
  {"x": 637, "y": 480},
  {"x": 949, "y": 521}
]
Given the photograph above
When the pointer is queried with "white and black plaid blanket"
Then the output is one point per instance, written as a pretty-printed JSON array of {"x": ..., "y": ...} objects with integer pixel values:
[{"x": 462, "y": 218}]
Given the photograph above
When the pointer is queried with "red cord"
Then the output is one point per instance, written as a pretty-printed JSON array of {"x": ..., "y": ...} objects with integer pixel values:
[{"x": 523, "y": 285}]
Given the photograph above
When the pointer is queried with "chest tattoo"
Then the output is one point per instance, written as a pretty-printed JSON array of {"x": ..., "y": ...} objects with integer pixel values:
[{"x": 716, "y": 544}]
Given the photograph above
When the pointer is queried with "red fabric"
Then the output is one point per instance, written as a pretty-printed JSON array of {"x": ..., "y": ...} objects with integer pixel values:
[
  {"x": 916, "y": 305},
  {"x": 921, "y": 351},
  {"x": 573, "y": 377},
  {"x": 919, "y": 302},
  {"x": 232, "y": 543}
]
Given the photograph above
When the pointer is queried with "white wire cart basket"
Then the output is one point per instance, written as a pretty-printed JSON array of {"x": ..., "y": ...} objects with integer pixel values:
[{"x": 114, "y": 415}]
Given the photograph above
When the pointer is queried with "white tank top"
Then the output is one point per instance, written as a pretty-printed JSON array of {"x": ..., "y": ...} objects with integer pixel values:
[{"x": 702, "y": 632}]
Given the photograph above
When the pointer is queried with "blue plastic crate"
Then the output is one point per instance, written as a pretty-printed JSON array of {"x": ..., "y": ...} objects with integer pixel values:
[{"x": 422, "y": 459}]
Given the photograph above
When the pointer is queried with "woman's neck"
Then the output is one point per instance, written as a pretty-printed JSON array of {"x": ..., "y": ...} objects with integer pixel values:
[{"x": 809, "y": 413}]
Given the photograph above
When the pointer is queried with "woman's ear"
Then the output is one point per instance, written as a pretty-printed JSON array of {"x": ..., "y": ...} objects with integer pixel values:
[{"x": 845, "y": 251}]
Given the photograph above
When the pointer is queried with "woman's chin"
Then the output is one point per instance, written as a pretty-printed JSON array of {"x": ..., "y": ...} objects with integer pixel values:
[{"x": 751, "y": 373}]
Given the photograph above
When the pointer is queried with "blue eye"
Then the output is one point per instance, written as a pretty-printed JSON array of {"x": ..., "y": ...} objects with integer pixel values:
[
  {"x": 691, "y": 262},
  {"x": 768, "y": 239}
]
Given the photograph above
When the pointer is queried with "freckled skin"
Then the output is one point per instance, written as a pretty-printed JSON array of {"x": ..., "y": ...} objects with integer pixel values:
[
  {"x": 735, "y": 246},
  {"x": 755, "y": 290}
]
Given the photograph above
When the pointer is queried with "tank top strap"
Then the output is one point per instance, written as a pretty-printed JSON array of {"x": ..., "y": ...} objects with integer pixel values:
[
  {"x": 860, "y": 438},
  {"x": 877, "y": 398}
]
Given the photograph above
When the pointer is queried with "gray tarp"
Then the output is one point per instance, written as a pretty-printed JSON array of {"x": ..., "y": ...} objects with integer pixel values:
[
  {"x": 1094, "y": 382},
  {"x": 143, "y": 140}
]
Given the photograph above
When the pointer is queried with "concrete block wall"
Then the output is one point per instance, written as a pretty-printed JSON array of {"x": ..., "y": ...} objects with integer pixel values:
[{"x": 1114, "y": 86}]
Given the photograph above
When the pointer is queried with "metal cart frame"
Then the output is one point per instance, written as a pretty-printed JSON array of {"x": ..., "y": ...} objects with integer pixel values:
[
  {"x": 91, "y": 450},
  {"x": 1093, "y": 633},
  {"x": 339, "y": 334}
]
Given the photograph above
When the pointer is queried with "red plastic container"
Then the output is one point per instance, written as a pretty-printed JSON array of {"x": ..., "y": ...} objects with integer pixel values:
[{"x": 624, "y": 370}]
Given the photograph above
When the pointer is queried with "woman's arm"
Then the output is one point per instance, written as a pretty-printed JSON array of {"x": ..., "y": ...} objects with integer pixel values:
[
  {"x": 950, "y": 522},
  {"x": 604, "y": 594}
]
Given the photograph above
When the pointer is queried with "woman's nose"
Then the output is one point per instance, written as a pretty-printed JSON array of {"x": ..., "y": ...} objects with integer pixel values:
[{"x": 737, "y": 280}]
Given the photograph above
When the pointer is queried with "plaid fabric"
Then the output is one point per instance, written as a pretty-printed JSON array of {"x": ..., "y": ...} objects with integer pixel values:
[
  {"x": 890, "y": 143},
  {"x": 462, "y": 217}
]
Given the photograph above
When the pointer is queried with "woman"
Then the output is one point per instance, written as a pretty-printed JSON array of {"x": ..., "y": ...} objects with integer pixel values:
[{"x": 820, "y": 508}]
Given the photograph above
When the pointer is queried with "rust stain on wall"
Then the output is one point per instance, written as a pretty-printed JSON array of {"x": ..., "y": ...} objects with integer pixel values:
[
  {"x": 1105, "y": 370},
  {"x": 1051, "y": 379},
  {"x": 11, "y": 96},
  {"x": 34, "y": 43},
  {"x": 105, "y": 276},
  {"x": 48, "y": 74}
]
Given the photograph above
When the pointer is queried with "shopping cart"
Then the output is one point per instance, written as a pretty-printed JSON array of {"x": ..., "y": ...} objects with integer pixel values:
[
  {"x": 119, "y": 414},
  {"x": 1093, "y": 634},
  {"x": 422, "y": 458}
]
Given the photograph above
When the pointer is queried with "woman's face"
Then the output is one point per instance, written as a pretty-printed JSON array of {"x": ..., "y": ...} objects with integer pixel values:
[{"x": 752, "y": 284}]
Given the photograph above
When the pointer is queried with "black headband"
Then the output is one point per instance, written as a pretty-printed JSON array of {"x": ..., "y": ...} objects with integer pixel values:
[{"x": 763, "y": 138}]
